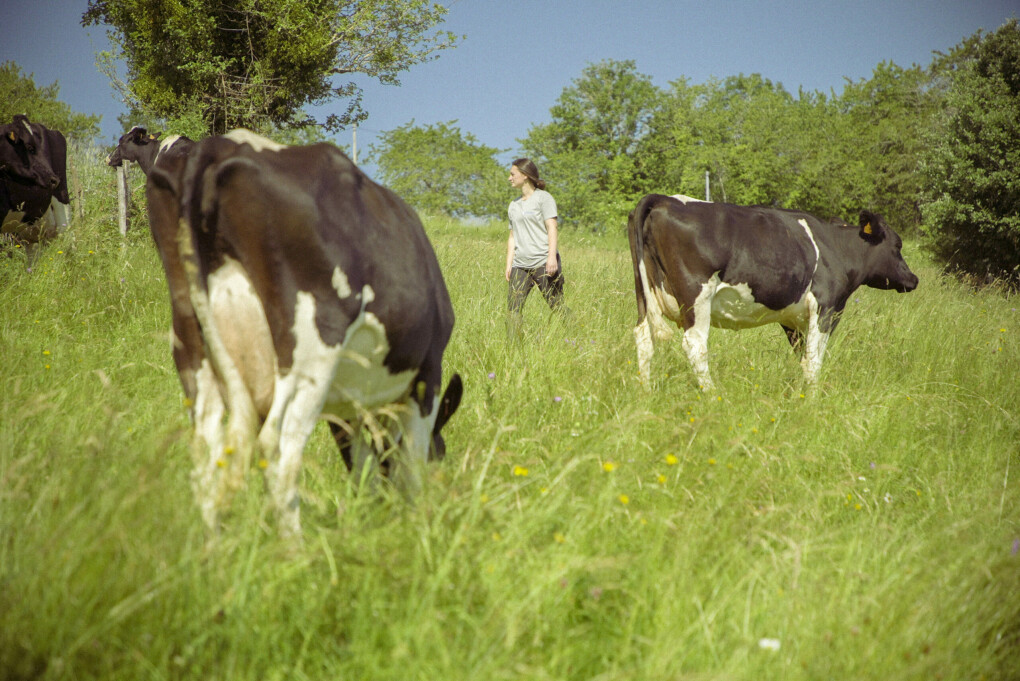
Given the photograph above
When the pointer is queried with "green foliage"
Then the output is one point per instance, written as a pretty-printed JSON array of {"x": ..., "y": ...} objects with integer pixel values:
[
  {"x": 255, "y": 64},
  {"x": 614, "y": 137},
  {"x": 745, "y": 139},
  {"x": 586, "y": 153},
  {"x": 20, "y": 95},
  {"x": 441, "y": 171},
  {"x": 971, "y": 187},
  {"x": 885, "y": 119},
  {"x": 615, "y": 533}
]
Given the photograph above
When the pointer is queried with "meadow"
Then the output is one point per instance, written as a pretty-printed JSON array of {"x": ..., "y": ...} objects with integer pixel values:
[{"x": 580, "y": 527}]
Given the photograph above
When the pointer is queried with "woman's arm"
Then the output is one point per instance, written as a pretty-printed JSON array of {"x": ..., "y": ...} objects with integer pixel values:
[
  {"x": 551, "y": 264},
  {"x": 509, "y": 255}
]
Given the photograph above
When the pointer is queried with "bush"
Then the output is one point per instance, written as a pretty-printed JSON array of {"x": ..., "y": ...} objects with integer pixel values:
[{"x": 971, "y": 199}]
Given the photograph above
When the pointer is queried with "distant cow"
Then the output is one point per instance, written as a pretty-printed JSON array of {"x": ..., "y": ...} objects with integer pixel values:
[
  {"x": 139, "y": 146},
  {"x": 299, "y": 288},
  {"x": 706, "y": 264},
  {"x": 33, "y": 181}
]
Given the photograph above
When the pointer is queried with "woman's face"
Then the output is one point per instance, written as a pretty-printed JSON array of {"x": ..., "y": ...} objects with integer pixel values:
[{"x": 517, "y": 178}]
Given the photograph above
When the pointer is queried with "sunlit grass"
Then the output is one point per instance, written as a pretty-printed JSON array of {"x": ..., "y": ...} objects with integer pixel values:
[{"x": 580, "y": 526}]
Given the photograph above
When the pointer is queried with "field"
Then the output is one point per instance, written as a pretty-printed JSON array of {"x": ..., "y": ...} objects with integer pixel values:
[{"x": 581, "y": 527}]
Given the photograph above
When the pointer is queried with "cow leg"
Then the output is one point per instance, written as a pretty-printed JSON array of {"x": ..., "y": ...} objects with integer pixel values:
[
  {"x": 242, "y": 422},
  {"x": 61, "y": 215},
  {"x": 697, "y": 322},
  {"x": 207, "y": 446},
  {"x": 815, "y": 341},
  {"x": 283, "y": 470},
  {"x": 298, "y": 399},
  {"x": 652, "y": 326},
  {"x": 645, "y": 350}
]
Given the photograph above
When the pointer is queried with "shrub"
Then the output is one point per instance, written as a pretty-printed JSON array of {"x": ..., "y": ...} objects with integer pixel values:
[{"x": 971, "y": 198}]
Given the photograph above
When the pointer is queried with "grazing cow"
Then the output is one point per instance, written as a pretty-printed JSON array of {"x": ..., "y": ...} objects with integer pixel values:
[
  {"x": 139, "y": 146},
  {"x": 709, "y": 264},
  {"x": 33, "y": 181},
  {"x": 299, "y": 288}
]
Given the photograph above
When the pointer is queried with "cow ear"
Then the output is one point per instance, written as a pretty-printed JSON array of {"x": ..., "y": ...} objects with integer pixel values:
[
  {"x": 871, "y": 227},
  {"x": 139, "y": 136},
  {"x": 451, "y": 400}
]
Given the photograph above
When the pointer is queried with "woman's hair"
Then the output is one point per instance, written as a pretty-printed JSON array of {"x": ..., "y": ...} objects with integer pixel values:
[{"x": 530, "y": 171}]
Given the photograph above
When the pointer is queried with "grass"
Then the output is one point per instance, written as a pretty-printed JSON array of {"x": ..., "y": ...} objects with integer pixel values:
[{"x": 581, "y": 527}]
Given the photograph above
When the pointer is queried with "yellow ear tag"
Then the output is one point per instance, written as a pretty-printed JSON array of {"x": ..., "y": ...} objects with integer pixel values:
[
  {"x": 867, "y": 228},
  {"x": 10, "y": 136},
  {"x": 421, "y": 391},
  {"x": 152, "y": 137}
]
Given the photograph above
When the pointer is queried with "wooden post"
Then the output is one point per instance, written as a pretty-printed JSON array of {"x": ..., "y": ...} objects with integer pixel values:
[{"x": 123, "y": 198}]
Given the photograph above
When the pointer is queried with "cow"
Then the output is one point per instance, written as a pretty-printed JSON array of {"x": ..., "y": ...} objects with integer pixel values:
[
  {"x": 705, "y": 264},
  {"x": 33, "y": 181},
  {"x": 139, "y": 146},
  {"x": 299, "y": 289}
]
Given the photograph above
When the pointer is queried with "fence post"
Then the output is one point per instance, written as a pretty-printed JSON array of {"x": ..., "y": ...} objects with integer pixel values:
[
  {"x": 123, "y": 198},
  {"x": 708, "y": 196}
]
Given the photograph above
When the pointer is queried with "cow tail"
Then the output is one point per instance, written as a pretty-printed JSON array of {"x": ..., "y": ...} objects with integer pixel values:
[{"x": 636, "y": 236}]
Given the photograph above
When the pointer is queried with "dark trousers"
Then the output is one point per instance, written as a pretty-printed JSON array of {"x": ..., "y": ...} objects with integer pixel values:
[{"x": 522, "y": 280}]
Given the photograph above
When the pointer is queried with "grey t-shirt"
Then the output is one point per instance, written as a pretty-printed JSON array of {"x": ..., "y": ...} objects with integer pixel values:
[{"x": 527, "y": 221}]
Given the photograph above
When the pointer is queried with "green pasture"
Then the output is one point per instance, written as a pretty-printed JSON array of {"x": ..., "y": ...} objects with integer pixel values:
[{"x": 580, "y": 527}]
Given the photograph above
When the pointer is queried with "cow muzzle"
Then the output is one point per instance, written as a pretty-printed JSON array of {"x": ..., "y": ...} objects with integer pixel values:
[{"x": 907, "y": 284}]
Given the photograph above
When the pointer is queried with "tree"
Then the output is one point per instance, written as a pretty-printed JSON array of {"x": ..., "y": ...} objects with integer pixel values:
[
  {"x": 745, "y": 131},
  {"x": 745, "y": 140},
  {"x": 667, "y": 150},
  {"x": 884, "y": 119},
  {"x": 19, "y": 94},
  {"x": 442, "y": 171},
  {"x": 587, "y": 153},
  {"x": 971, "y": 199},
  {"x": 254, "y": 63}
]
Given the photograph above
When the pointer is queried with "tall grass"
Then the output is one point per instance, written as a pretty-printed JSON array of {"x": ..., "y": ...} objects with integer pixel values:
[{"x": 581, "y": 527}]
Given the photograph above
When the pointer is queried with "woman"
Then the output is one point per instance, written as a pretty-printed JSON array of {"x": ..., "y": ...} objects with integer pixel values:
[{"x": 531, "y": 255}]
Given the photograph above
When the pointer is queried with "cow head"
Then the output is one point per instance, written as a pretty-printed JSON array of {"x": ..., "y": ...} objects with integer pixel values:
[
  {"x": 886, "y": 268},
  {"x": 127, "y": 146},
  {"x": 447, "y": 406},
  {"x": 20, "y": 157}
]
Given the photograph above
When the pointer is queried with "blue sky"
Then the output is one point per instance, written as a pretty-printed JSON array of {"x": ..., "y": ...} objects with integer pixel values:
[{"x": 518, "y": 55}]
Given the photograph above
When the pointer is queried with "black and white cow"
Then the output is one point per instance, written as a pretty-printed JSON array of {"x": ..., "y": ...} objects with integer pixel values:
[
  {"x": 300, "y": 289},
  {"x": 706, "y": 264},
  {"x": 33, "y": 181},
  {"x": 139, "y": 146}
]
